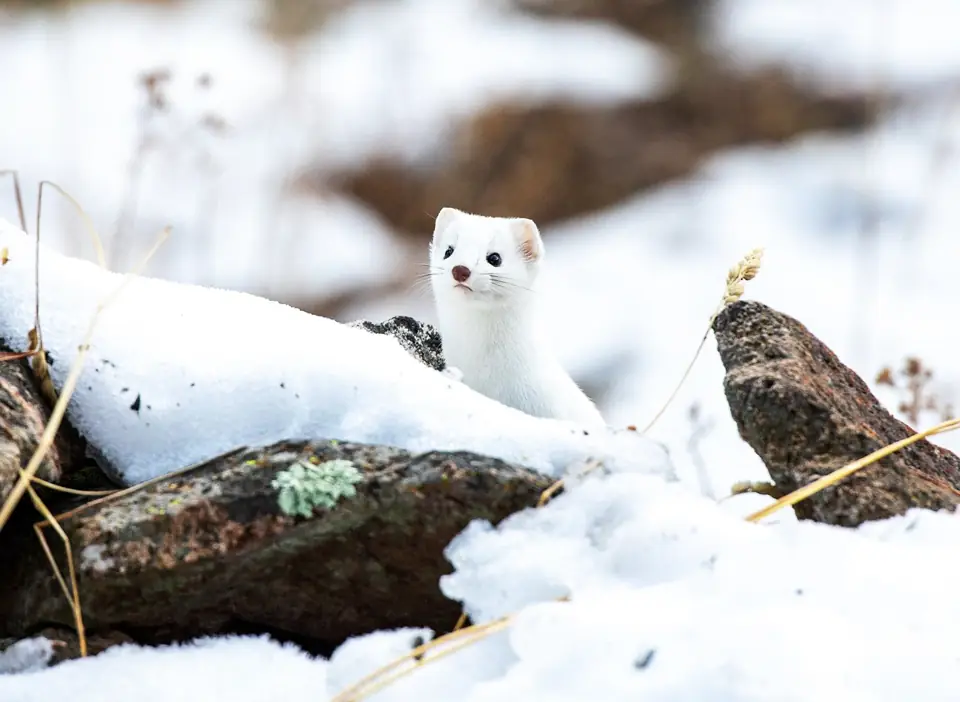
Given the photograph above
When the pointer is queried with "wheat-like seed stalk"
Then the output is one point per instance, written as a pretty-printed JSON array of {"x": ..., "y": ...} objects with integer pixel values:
[{"x": 745, "y": 270}]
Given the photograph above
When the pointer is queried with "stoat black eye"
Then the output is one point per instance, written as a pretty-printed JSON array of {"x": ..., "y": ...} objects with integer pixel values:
[
  {"x": 448, "y": 252},
  {"x": 494, "y": 259}
]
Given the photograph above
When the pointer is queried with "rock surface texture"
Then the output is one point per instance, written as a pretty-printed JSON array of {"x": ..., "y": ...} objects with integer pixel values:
[
  {"x": 806, "y": 414},
  {"x": 419, "y": 339},
  {"x": 209, "y": 550}
]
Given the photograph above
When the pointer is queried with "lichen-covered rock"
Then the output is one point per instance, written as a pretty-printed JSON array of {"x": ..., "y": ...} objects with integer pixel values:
[
  {"x": 806, "y": 414},
  {"x": 210, "y": 551},
  {"x": 419, "y": 339}
]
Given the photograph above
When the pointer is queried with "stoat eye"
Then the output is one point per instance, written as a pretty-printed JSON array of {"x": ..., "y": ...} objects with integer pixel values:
[
  {"x": 448, "y": 252},
  {"x": 494, "y": 259}
]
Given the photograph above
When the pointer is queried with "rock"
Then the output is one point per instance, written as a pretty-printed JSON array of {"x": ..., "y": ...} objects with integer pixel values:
[
  {"x": 673, "y": 23},
  {"x": 420, "y": 340},
  {"x": 209, "y": 551},
  {"x": 23, "y": 418},
  {"x": 551, "y": 161},
  {"x": 557, "y": 161},
  {"x": 806, "y": 414}
]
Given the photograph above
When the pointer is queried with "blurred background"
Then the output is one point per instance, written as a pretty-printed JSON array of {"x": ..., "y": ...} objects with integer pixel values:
[{"x": 301, "y": 148}]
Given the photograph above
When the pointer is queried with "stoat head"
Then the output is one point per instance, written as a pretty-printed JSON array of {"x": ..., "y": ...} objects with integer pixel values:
[{"x": 484, "y": 261}]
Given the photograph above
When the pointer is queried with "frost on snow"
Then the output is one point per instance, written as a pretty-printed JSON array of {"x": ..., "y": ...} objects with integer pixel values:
[
  {"x": 179, "y": 373},
  {"x": 304, "y": 487}
]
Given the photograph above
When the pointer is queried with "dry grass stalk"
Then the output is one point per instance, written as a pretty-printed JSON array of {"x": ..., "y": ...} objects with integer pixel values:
[
  {"x": 590, "y": 466},
  {"x": 70, "y": 491},
  {"x": 73, "y": 594},
  {"x": 369, "y": 684},
  {"x": 69, "y": 385},
  {"x": 745, "y": 270},
  {"x": 379, "y": 679},
  {"x": 27, "y": 474},
  {"x": 849, "y": 469}
]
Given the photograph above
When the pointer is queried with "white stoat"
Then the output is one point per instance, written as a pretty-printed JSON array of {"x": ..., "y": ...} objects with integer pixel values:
[{"x": 483, "y": 272}]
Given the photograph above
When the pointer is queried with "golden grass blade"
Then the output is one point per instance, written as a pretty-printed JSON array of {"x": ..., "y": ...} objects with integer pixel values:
[
  {"x": 87, "y": 222},
  {"x": 460, "y": 621},
  {"x": 591, "y": 465},
  {"x": 16, "y": 356},
  {"x": 69, "y": 385},
  {"x": 53, "y": 562},
  {"x": 549, "y": 493},
  {"x": 74, "y": 598},
  {"x": 71, "y": 491},
  {"x": 396, "y": 675},
  {"x": 849, "y": 469},
  {"x": 472, "y": 633}
]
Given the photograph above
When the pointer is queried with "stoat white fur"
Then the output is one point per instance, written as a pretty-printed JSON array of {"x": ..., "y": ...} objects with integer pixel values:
[{"x": 483, "y": 271}]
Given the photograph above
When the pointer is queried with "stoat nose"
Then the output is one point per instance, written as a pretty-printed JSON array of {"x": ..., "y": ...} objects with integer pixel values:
[{"x": 460, "y": 273}]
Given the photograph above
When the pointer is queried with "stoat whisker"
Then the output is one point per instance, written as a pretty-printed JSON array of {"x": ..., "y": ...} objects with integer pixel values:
[{"x": 502, "y": 282}]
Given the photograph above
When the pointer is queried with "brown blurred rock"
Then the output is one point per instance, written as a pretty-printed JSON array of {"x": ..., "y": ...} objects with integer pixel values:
[
  {"x": 209, "y": 551},
  {"x": 806, "y": 414},
  {"x": 557, "y": 161},
  {"x": 670, "y": 22}
]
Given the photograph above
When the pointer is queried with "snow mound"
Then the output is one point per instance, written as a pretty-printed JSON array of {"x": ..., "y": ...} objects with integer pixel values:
[
  {"x": 206, "y": 669},
  {"x": 179, "y": 373},
  {"x": 671, "y": 598}
]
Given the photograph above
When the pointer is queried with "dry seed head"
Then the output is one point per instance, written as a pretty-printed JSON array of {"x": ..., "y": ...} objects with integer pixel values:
[{"x": 746, "y": 269}]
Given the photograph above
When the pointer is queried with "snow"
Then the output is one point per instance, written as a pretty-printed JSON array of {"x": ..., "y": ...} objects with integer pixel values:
[
  {"x": 864, "y": 44},
  {"x": 656, "y": 264},
  {"x": 672, "y": 597},
  {"x": 181, "y": 373},
  {"x": 26, "y": 655},
  {"x": 379, "y": 79},
  {"x": 214, "y": 669}
]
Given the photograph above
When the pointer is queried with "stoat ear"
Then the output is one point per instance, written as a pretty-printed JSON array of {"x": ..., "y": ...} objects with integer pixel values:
[
  {"x": 528, "y": 240},
  {"x": 444, "y": 219}
]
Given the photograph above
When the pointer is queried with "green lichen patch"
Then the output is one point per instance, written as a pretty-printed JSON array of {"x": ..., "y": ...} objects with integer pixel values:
[{"x": 304, "y": 487}]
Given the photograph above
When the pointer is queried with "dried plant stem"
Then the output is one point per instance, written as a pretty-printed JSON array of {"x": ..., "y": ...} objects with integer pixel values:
[
  {"x": 87, "y": 222},
  {"x": 71, "y": 491},
  {"x": 745, "y": 270},
  {"x": 72, "y": 595},
  {"x": 69, "y": 385},
  {"x": 849, "y": 469},
  {"x": 475, "y": 636},
  {"x": 46, "y": 441},
  {"x": 369, "y": 684},
  {"x": 590, "y": 466}
]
